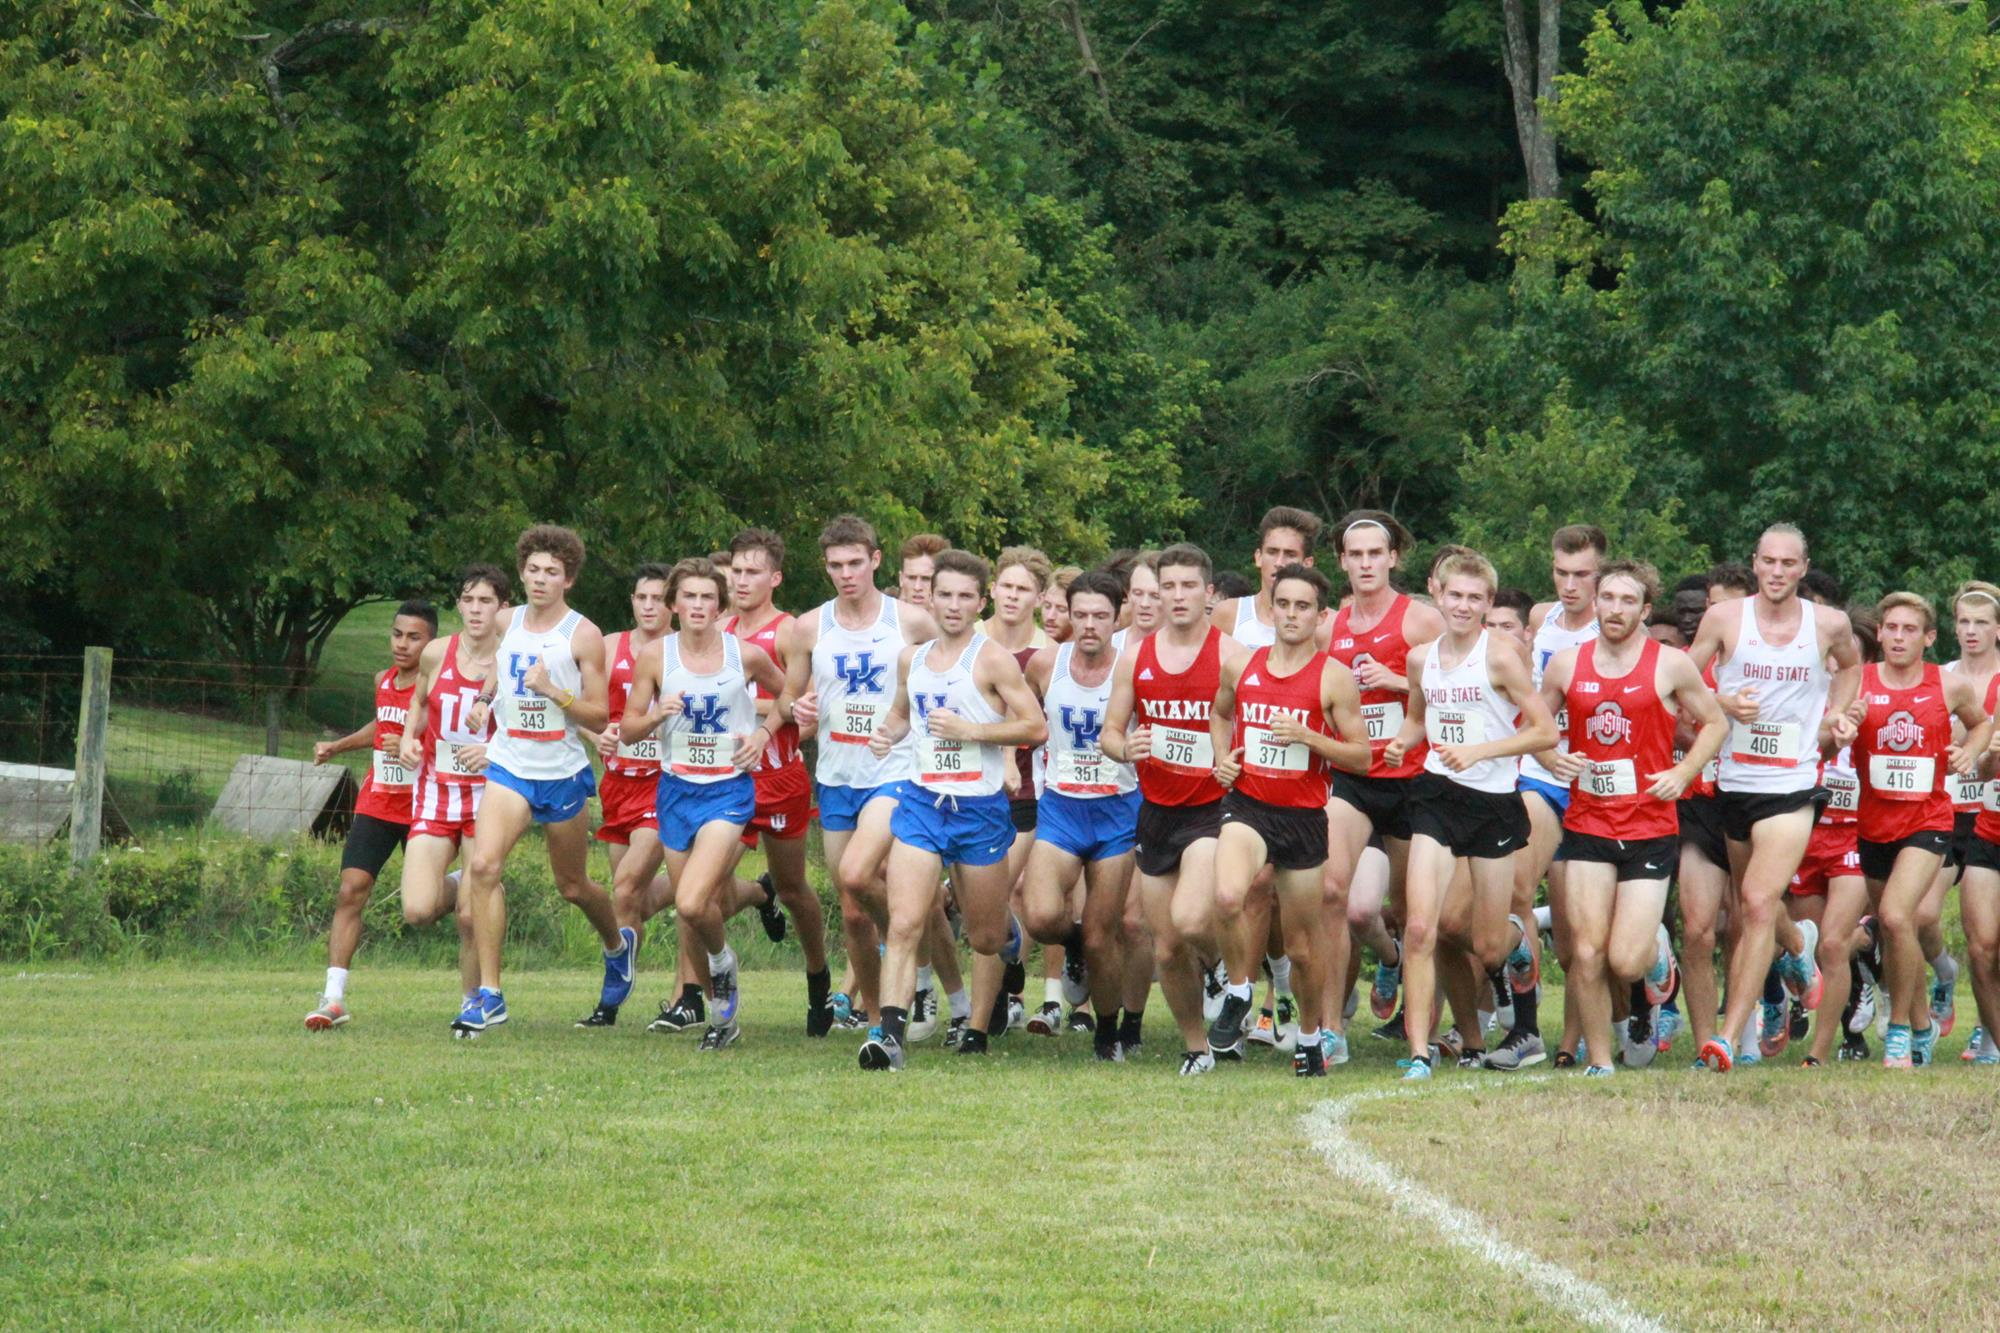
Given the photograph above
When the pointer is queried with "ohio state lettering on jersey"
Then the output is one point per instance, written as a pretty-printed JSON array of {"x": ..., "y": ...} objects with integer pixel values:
[
  {"x": 1622, "y": 727},
  {"x": 1899, "y": 756}
]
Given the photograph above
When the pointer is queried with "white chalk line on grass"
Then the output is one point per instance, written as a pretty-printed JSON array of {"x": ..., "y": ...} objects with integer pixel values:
[{"x": 1326, "y": 1127}]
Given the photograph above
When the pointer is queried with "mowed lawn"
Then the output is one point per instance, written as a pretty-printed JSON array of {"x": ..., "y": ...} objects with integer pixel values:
[{"x": 177, "y": 1151}]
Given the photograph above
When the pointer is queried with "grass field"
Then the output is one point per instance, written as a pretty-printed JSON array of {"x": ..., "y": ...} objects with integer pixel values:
[{"x": 178, "y": 1152}]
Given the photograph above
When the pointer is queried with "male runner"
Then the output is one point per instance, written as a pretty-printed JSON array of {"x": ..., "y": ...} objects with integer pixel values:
[
  {"x": 1019, "y": 576},
  {"x": 1473, "y": 702},
  {"x": 918, "y": 558},
  {"x": 549, "y": 683},
  {"x": 840, "y": 663},
  {"x": 698, "y": 688},
  {"x": 381, "y": 811},
  {"x": 1089, "y": 818},
  {"x": 1162, "y": 694},
  {"x": 1899, "y": 729},
  {"x": 1976, "y": 617},
  {"x": 1373, "y": 635},
  {"x": 1508, "y": 615},
  {"x": 1054, "y": 607},
  {"x": 962, "y": 701},
  {"x": 1979, "y": 890},
  {"x": 1621, "y": 833},
  {"x": 1138, "y": 573},
  {"x": 1284, "y": 718},
  {"x": 1772, "y": 654},
  {"x": 1285, "y": 536}
]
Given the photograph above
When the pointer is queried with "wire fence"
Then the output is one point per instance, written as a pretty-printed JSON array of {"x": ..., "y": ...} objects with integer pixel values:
[{"x": 179, "y": 736}]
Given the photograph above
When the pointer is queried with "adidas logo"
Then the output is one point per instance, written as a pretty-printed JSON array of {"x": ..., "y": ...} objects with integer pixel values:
[
  {"x": 1251, "y": 679},
  {"x": 623, "y": 665},
  {"x": 1146, "y": 674}
]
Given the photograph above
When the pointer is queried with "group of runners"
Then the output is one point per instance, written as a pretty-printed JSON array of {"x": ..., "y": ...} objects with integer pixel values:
[{"x": 1160, "y": 785}]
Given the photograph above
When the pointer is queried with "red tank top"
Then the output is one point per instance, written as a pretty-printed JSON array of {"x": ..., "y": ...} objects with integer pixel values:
[
  {"x": 633, "y": 761},
  {"x": 1703, "y": 787},
  {"x": 1287, "y": 775},
  {"x": 1622, "y": 726},
  {"x": 1175, "y": 710},
  {"x": 1899, "y": 757},
  {"x": 385, "y": 792},
  {"x": 1381, "y": 710},
  {"x": 446, "y": 708},
  {"x": 780, "y": 771},
  {"x": 1988, "y": 824}
]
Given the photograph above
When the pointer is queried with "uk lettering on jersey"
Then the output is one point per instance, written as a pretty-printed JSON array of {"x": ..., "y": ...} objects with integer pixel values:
[
  {"x": 705, "y": 713},
  {"x": 1083, "y": 726},
  {"x": 923, "y": 703},
  {"x": 864, "y": 676}
]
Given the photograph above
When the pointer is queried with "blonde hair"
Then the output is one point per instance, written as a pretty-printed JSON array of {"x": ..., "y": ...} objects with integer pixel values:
[
  {"x": 1466, "y": 564},
  {"x": 1028, "y": 558},
  {"x": 1977, "y": 590}
]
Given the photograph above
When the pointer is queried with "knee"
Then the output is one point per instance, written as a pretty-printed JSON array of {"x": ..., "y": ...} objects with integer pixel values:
[
  {"x": 986, "y": 938},
  {"x": 1627, "y": 964},
  {"x": 1359, "y": 917},
  {"x": 354, "y": 894},
  {"x": 1586, "y": 958},
  {"x": 1898, "y": 918},
  {"x": 1698, "y": 937},
  {"x": 416, "y": 914},
  {"x": 905, "y": 933},
  {"x": 1419, "y": 938},
  {"x": 573, "y": 888},
  {"x": 483, "y": 870},
  {"x": 1756, "y": 914},
  {"x": 1046, "y": 921}
]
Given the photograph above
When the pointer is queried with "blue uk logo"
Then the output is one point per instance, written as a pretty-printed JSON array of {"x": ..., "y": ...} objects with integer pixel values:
[
  {"x": 518, "y": 666},
  {"x": 865, "y": 676},
  {"x": 925, "y": 702},
  {"x": 1083, "y": 726},
  {"x": 704, "y": 713}
]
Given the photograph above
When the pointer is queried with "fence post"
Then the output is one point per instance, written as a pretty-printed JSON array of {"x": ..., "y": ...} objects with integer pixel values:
[
  {"x": 86, "y": 801},
  {"x": 274, "y": 705}
]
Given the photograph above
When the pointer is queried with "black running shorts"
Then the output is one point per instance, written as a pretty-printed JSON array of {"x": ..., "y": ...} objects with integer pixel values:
[
  {"x": 1294, "y": 836},
  {"x": 370, "y": 843},
  {"x": 1485, "y": 825},
  {"x": 1165, "y": 831}
]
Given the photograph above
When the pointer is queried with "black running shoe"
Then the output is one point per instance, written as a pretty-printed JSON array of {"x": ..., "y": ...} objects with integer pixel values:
[
  {"x": 953, "y": 1031},
  {"x": 677, "y": 1017},
  {"x": 1309, "y": 1061},
  {"x": 881, "y": 1053},
  {"x": 1393, "y": 1029},
  {"x": 720, "y": 1038},
  {"x": 1853, "y": 1046},
  {"x": 819, "y": 1018},
  {"x": 1564, "y": 1060},
  {"x": 1225, "y": 1035},
  {"x": 603, "y": 1016},
  {"x": 971, "y": 1042},
  {"x": 1801, "y": 1021},
  {"x": 772, "y": 915},
  {"x": 1081, "y": 1021},
  {"x": 1107, "y": 1049}
]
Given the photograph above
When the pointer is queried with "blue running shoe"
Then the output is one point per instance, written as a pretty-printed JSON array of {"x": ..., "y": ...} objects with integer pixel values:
[
  {"x": 722, "y": 995},
  {"x": 1011, "y": 953},
  {"x": 1382, "y": 995},
  {"x": 1896, "y": 1048},
  {"x": 1414, "y": 1071},
  {"x": 1333, "y": 1045},
  {"x": 1668, "y": 1028},
  {"x": 485, "y": 1010},
  {"x": 1943, "y": 1008},
  {"x": 1923, "y": 1045},
  {"x": 843, "y": 1009},
  {"x": 618, "y": 970}
]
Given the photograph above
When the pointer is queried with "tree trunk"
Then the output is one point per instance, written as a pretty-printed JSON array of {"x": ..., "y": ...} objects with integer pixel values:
[
  {"x": 1531, "y": 75},
  {"x": 1073, "y": 19}
]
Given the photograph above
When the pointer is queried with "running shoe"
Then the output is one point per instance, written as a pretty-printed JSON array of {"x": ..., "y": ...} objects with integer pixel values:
[
  {"x": 1489, "y": 1022},
  {"x": 1598, "y": 1071},
  {"x": 954, "y": 1031},
  {"x": 722, "y": 994},
  {"x": 1472, "y": 1057},
  {"x": 1309, "y": 1061},
  {"x": 1075, "y": 978},
  {"x": 1943, "y": 1007},
  {"x": 1213, "y": 979},
  {"x": 1896, "y": 1049},
  {"x": 1110, "y": 1052},
  {"x": 1800, "y": 971},
  {"x": 1517, "y": 1051},
  {"x": 1563, "y": 1060},
  {"x": 1081, "y": 1021},
  {"x": 1640, "y": 1046},
  {"x": 676, "y": 1017},
  {"x": 1017, "y": 1013},
  {"x": 1264, "y": 1032},
  {"x": 1974, "y": 1046},
  {"x": 1798, "y": 1020},
  {"x": 1382, "y": 995},
  {"x": 1660, "y": 981},
  {"x": 1194, "y": 1063},
  {"x": 330, "y": 1014},
  {"x": 768, "y": 912},
  {"x": 485, "y": 1010},
  {"x": 1414, "y": 1070},
  {"x": 1718, "y": 1054},
  {"x": 843, "y": 1009},
  {"x": 1666, "y": 1029},
  {"x": 1853, "y": 1046},
  {"x": 1985, "y": 1052},
  {"x": 1047, "y": 1020},
  {"x": 1750, "y": 1050},
  {"x": 1775, "y": 1034},
  {"x": 1225, "y": 1035},
  {"x": 1333, "y": 1046},
  {"x": 1393, "y": 1030},
  {"x": 923, "y": 1016},
  {"x": 720, "y": 1037},
  {"x": 880, "y": 1053},
  {"x": 1450, "y": 1043},
  {"x": 971, "y": 1042},
  {"x": 1923, "y": 1045},
  {"x": 1523, "y": 972},
  {"x": 1811, "y": 1062},
  {"x": 618, "y": 970},
  {"x": 1864, "y": 1006},
  {"x": 603, "y": 1016}
]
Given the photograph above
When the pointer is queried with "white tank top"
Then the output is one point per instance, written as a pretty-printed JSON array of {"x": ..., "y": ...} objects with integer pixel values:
[
  {"x": 1551, "y": 639},
  {"x": 536, "y": 739},
  {"x": 1779, "y": 751},
  {"x": 1461, "y": 707},
  {"x": 1251, "y": 632},
  {"x": 952, "y": 768},
  {"x": 1964, "y": 791},
  {"x": 854, "y": 675},
  {"x": 717, "y": 711},
  {"x": 1072, "y": 764}
]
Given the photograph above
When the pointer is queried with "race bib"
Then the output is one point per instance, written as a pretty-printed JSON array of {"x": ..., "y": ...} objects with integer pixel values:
[
  {"x": 535, "y": 718},
  {"x": 700, "y": 756},
  {"x": 450, "y": 764},
  {"x": 1083, "y": 773},
  {"x": 1454, "y": 726},
  {"x": 1177, "y": 747},
  {"x": 646, "y": 751},
  {"x": 1263, "y": 751},
  {"x": 1967, "y": 791},
  {"x": 389, "y": 770},
  {"x": 1711, "y": 770},
  {"x": 941, "y": 762},
  {"x": 1607, "y": 778},
  {"x": 1902, "y": 777},
  {"x": 1992, "y": 800},
  {"x": 1383, "y": 722},
  {"x": 1843, "y": 792},
  {"x": 1772, "y": 744},
  {"x": 854, "y": 722}
]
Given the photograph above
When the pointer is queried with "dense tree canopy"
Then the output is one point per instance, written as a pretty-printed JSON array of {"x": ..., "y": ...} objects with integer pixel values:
[{"x": 302, "y": 304}]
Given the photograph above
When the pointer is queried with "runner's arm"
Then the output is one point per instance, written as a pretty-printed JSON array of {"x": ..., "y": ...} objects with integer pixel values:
[
  {"x": 1511, "y": 677},
  {"x": 640, "y": 720},
  {"x": 1968, "y": 708},
  {"x": 1340, "y": 697},
  {"x": 1118, "y": 712}
]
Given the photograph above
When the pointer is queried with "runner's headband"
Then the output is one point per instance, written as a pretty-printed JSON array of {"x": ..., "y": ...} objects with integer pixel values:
[{"x": 1367, "y": 523}]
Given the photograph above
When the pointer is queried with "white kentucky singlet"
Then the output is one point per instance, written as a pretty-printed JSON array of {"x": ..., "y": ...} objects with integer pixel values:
[
  {"x": 1073, "y": 763},
  {"x": 1461, "y": 707},
  {"x": 536, "y": 739},
  {"x": 854, "y": 676},
  {"x": 1551, "y": 639},
  {"x": 1249, "y": 631},
  {"x": 944, "y": 767},
  {"x": 1779, "y": 752},
  {"x": 717, "y": 710}
]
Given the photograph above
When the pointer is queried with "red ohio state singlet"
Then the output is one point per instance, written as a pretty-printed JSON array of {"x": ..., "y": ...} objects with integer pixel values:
[
  {"x": 1175, "y": 710},
  {"x": 1899, "y": 757},
  {"x": 1382, "y": 711},
  {"x": 1622, "y": 726},
  {"x": 1287, "y": 775}
]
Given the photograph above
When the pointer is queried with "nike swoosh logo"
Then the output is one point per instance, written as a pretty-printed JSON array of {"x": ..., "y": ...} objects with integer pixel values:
[
  {"x": 1631, "y": 688},
  {"x": 1921, "y": 699},
  {"x": 1503, "y": 844}
]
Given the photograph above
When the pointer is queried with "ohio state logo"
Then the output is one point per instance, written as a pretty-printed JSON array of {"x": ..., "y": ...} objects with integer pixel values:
[
  {"x": 1608, "y": 725},
  {"x": 1901, "y": 733}
]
